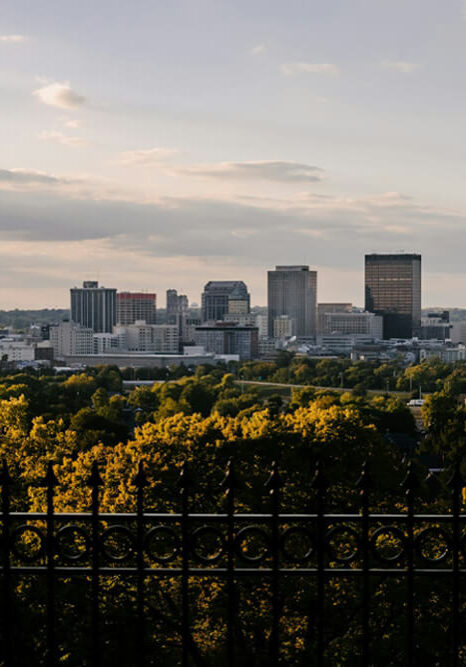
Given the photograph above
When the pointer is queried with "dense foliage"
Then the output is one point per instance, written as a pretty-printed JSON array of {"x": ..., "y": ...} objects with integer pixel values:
[{"x": 205, "y": 418}]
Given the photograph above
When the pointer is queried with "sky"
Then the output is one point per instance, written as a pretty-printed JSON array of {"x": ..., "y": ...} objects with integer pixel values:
[{"x": 154, "y": 145}]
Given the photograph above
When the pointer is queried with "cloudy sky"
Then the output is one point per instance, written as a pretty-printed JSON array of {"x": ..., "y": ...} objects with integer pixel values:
[{"x": 154, "y": 144}]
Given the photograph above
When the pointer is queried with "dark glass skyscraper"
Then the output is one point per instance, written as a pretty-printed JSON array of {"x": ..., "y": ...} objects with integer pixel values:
[
  {"x": 94, "y": 307},
  {"x": 292, "y": 291},
  {"x": 216, "y": 296},
  {"x": 393, "y": 290}
]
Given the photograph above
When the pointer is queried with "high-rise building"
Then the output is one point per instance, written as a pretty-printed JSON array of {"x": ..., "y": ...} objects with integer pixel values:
[
  {"x": 216, "y": 297},
  {"x": 292, "y": 291},
  {"x": 134, "y": 306},
  {"x": 94, "y": 307},
  {"x": 393, "y": 290}
]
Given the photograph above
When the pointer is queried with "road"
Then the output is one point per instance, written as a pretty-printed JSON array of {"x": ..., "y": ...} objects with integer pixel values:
[{"x": 260, "y": 383}]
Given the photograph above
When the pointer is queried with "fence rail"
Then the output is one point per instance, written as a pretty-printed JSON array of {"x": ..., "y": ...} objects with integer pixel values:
[{"x": 230, "y": 547}]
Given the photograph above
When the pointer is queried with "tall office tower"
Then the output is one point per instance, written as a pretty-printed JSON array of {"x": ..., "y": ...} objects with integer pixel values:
[
  {"x": 133, "y": 306},
  {"x": 216, "y": 295},
  {"x": 177, "y": 304},
  {"x": 94, "y": 307},
  {"x": 393, "y": 290},
  {"x": 292, "y": 291}
]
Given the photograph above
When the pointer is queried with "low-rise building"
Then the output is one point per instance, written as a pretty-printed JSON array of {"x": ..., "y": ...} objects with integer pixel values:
[{"x": 224, "y": 338}]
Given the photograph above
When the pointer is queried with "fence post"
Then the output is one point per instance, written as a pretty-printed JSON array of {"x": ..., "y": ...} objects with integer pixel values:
[
  {"x": 7, "y": 619},
  {"x": 95, "y": 481},
  {"x": 456, "y": 483},
  {"x": 274, "y": 484},
  {"x": 320, "y": 485},
  {"x": 185, "y": 483},
  {"x": 229, "y": 484},
  {"x": 50, "y": 482},
  {"x": 364, "y": 483},
  {"x": 140, "y": 481},
  {"x": 410, "y": 484}
]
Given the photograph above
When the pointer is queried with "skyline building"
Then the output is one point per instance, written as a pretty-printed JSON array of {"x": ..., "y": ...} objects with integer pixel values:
[
  {"x": 94, "y": 307},
  {"x": 292, "y": 291},
  {"x": 216, "y": 299},
  {"x": 393, "y": 290},
  {"x": 134, "y": 306}
]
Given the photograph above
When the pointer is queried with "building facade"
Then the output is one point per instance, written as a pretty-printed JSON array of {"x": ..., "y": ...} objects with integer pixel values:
[
  {"x": 94, "y": 307},
  {"x": 134, "y": 306},
  {"x": 393, "y": 290},
  {"x": 324, "y": 308},
  {"x": 216, "y": 297},
  {"x": 70, "y": 338},
  {"x": 229, "y": 339},
  {"x": 365, "y": 324},
  {"x": 292, "y": 291}
]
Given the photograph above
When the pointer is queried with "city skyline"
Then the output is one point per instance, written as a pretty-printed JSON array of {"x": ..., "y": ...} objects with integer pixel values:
[{"x": 168, "y": 145}]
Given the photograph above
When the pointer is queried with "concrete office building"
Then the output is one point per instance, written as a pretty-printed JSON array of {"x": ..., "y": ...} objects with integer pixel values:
[
  {"x": 134, "y": 306},
  {"x": 365, "y": 324},
  {"x": 292, "y": 291},
  {"x": 224, "y": 338},
  {"x": 393, "y": 290},
  {"x": 216, "y": 296},
  {"x": 71, "y": 338},
  {"x": 324, "y": 308},
  {"x": 94, "y": 307},
  {"x": 143, "y": 337},
  {"x": 177, "y": 306}
]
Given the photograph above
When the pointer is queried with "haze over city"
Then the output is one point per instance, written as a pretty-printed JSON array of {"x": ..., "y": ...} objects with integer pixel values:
[{"x": 163, "y": 145}]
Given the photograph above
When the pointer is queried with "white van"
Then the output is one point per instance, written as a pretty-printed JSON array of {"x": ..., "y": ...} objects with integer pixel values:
[{"x": 416, "y": 402}]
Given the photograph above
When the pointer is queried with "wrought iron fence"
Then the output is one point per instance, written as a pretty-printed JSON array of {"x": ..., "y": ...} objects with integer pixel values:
[{"x": 232, "y": 546}]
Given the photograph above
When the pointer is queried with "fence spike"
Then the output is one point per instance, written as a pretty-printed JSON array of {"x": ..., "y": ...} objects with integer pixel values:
[
  {"x": 274, "y": 481},
  {"x": 365, "y": 481},
  {"x": 140, "y": 478},
  {"x": 411, "y": 481},
  {"x": 50, "y": 477},
  {"x": 5, "y": 477},
  {"x": 456, "y": 481},
  {"x": 185, "y": 480},
  {"x": 230, "y": 480},
  {"x": 95, "y": 480},
  {"x": 319, "y": 483}
]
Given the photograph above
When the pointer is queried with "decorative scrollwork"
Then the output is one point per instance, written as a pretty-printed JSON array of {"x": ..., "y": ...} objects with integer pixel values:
[
  {"x": 117, "y": 543},
  {"x": 159, "y": 534},
  {"x": 73, "y": 543},
  {"x": 432, "y": 540},
  {"x": 346, "y": 549},
  {"x": 201, "y": 534},
  {"x": 31, "y": 549},
  {"x": 248, "y": 535},
  {"x": 383, "y": 543},
  {"x": 297, "y": 536}
]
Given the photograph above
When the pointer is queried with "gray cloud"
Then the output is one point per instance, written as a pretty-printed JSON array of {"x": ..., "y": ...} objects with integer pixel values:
[
  {"x": 291, "y": 69},
  {"x": 267, "y": 170},
  {"x": 25, "y": 177},
  {"x": 59, "y": 95}
]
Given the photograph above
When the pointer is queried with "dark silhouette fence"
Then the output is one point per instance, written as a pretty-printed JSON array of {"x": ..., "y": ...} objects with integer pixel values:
[{"x": 230, "y": 546}]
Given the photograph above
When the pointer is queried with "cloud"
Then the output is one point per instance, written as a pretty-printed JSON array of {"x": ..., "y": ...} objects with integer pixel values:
[
  {"x": 28, "y": 177},
  {"x": 59, "y": 95},
  {"x": 72, "y": 123},
  {"x": 258, "y": 49},
  {"x": 14, "y": 39},
  {"x": 266, "y": 170},
  {"x": 290, "y": 69},
  {"x": 400, "y": 66},
  {"x": 146, "y": 156},
  {"x": 61, "y": 138}
]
